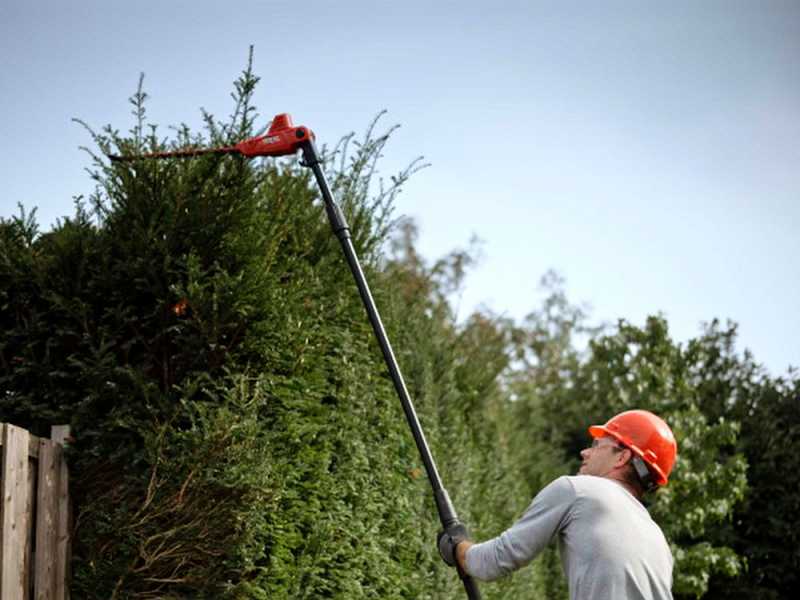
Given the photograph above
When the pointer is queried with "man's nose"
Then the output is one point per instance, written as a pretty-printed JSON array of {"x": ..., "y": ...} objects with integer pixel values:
[{"x": 585, "y": 453}]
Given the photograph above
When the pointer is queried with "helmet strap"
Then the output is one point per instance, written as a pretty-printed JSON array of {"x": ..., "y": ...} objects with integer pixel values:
[{"x": 644, "y": 474}]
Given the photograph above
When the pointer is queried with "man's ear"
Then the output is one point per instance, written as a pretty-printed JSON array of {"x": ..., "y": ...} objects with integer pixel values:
[{"x": 624, "y": 457}]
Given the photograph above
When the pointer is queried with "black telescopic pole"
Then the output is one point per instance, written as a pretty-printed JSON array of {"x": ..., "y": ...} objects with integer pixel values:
[{"x": 447, "y": 513}]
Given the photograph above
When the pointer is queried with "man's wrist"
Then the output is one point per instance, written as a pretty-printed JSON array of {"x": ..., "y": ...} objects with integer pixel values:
[{"x": 460, "y": 552}]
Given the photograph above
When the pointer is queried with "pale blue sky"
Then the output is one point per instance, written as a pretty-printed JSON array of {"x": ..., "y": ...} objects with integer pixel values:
[{"x": 648, "y": 152}]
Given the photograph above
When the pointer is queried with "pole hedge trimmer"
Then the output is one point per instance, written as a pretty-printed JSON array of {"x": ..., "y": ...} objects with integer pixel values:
[{"x": 283, "y": 139}]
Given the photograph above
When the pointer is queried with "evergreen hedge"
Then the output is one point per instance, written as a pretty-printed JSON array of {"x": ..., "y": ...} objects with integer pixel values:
[{"x": 236, "y": 433}]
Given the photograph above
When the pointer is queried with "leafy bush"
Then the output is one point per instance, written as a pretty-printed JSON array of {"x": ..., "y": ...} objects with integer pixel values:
[{"x": 562, "y": 391}]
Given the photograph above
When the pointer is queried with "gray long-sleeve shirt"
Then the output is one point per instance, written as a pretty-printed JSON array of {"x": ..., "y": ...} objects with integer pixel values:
[{"x": 610, "y": 547}]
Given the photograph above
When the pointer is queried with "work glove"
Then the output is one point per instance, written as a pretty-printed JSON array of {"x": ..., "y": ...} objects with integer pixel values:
[{"x": 449, "y": 539}]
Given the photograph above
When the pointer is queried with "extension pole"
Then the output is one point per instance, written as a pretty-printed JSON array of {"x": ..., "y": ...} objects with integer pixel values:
[{"x": 447, "y": 513}]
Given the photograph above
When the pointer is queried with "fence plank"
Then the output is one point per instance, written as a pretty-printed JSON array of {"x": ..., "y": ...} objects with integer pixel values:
[
  {"x": 15, "y": 525},
  {"x": 33, "y": 465},
  {"x": 59, "y": 434},
  {"x": 46, "y": 511},
  {"x": 33, "y": 444}
]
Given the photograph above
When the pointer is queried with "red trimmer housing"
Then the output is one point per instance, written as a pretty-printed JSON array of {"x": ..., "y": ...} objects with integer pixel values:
[{"x": 281, "y": 139}]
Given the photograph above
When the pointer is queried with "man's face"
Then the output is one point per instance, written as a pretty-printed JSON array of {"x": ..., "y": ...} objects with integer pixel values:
[{"x": 601, "y": 457}]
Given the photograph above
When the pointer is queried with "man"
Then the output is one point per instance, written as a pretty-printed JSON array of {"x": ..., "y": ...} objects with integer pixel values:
[{"x": 610, "y": 547}]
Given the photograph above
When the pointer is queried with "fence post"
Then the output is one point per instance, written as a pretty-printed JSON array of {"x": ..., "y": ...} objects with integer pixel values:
[
  {"x": 46, "y": 514},
  {"x": 59, "y": 434},
  {"x": 15, "y": 525}
]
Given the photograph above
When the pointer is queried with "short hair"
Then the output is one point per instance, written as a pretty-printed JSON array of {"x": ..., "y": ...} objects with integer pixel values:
[{"x": 638, "y": 475}]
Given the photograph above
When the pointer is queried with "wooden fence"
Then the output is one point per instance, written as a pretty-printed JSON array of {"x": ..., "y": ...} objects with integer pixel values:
[{"x": 35, "y": 527}]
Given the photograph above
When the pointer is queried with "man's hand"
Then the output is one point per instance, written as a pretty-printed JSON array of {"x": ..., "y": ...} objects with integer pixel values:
[{"x": 449, "y": 539}]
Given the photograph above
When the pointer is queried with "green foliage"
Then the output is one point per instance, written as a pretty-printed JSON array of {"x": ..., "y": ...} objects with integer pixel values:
[
  {"x": 236, "y": 433},
  {"x": 457, "y": 374},
  {"x": 762, "y": 528},
  {"x": 192, "y": 515},
  {"x": 562, "y": 391}
]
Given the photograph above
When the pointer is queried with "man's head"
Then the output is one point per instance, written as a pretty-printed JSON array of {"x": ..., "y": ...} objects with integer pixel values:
[
  {"x": 604, "y": 458},
  {"x": 634, "y": 446}
]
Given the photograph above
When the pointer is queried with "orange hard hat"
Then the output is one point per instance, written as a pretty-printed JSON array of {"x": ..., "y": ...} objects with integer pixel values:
[{"x": 648, "y": 437}]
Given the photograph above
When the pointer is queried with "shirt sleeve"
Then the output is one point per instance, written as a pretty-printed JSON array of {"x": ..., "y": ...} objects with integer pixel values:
[{"x": 547, "y": 515}]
